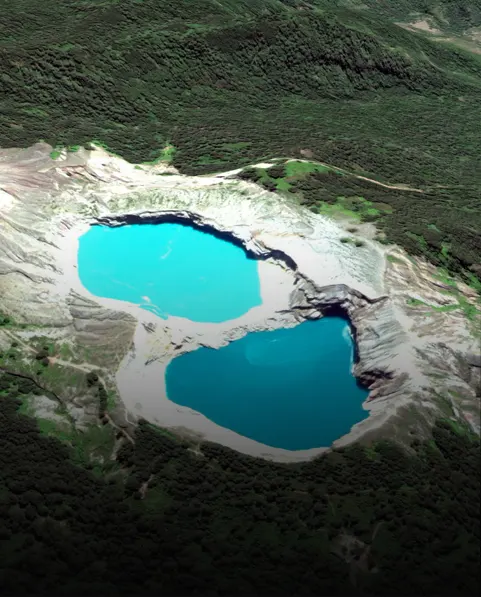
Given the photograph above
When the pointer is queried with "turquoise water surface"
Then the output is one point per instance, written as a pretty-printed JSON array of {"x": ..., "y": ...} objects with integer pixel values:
[
  {"x": 288, "y": 388},
  {"x": 182, "y": 271}
]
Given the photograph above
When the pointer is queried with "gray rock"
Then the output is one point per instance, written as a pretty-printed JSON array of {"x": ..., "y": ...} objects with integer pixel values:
[{"x": 406, "y": 356}]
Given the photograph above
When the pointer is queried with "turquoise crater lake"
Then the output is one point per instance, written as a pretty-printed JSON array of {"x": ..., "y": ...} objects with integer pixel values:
[
  {"x": 288, "y": 388},
  {"x": 169, "y": 269}
]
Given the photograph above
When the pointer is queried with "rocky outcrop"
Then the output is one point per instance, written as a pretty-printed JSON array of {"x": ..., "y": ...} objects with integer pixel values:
[{"x": 407, "y": 357}]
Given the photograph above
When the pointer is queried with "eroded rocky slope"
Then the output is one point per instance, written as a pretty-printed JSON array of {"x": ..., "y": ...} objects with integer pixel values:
[{"x": 417, "y": 349}]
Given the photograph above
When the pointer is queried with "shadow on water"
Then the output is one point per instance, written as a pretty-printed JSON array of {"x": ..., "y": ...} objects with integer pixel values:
[
  {"x": 341, "y": 313},
  {"x": 194, "y": 221}
]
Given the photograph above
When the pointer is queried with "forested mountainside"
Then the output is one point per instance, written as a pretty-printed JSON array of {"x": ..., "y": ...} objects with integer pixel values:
[
  {"x": 224, "y": 83},
  {"x": 388, "y": 120},
  {"x": 139, "y": 74},
  {"x": 167, "y": 516}
]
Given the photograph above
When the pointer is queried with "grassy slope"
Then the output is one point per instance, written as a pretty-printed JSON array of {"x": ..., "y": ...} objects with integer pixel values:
[{"x": 402, "y": 215}]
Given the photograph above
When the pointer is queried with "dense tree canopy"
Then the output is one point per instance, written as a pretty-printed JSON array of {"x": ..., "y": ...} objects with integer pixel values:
[
  {"x": 219, "y": 84},
  {"x": 224, "y": 83},
  {"x": 187, "y": 519}
]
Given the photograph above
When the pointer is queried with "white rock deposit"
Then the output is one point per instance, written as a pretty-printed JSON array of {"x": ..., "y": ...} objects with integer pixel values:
[{"x": 408, "y": 359}]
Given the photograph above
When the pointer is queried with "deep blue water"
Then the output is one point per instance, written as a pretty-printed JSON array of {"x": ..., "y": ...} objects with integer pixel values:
[
  {"x": 288, "y": 388},
  {"x": 183, "y": 271}
]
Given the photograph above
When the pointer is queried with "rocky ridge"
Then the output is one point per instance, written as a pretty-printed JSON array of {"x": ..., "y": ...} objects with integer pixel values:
[{"x": 416, "y": 362}]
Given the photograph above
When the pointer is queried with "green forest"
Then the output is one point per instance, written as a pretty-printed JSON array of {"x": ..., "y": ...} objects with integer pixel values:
[
  {"x": 225, "y": 83},
  {"x": 439, "y": 224},
  {"x": 169, "y": 517},
  {"x": 216, "y": 85}
]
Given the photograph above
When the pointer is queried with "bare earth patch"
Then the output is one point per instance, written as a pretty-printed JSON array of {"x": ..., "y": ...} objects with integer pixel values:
[
  {"x": 425, "y": 26},
  {"x": 470, "y": 41}
]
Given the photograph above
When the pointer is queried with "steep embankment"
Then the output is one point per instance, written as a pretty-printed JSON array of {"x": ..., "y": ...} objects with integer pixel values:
[{"x": 412, "y": 361}]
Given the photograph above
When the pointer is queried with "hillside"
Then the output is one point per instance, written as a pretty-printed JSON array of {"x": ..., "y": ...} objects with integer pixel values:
[
  {"x": 353, "y": 88},
  {"x": 454, "y": 16},
  {"x": 181, "y": 518},
  {"x": 222, "y": 84},
  {"x": 366, "y": 111}
]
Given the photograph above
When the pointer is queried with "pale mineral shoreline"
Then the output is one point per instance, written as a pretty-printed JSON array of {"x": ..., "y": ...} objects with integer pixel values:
[
  {"x": 176, "y": 335},
  {"x": 404, "y": 357}
]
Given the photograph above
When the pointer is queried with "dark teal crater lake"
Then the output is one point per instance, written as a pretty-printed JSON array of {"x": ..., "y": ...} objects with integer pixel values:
[
  {"x": 289, "y": 388},
  {"x": 169, "y": 269}
]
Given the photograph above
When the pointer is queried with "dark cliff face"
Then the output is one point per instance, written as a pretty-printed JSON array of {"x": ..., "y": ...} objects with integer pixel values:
[
  {"x": 195, "y": 221},
  {"x": 474, "y": 360}
]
